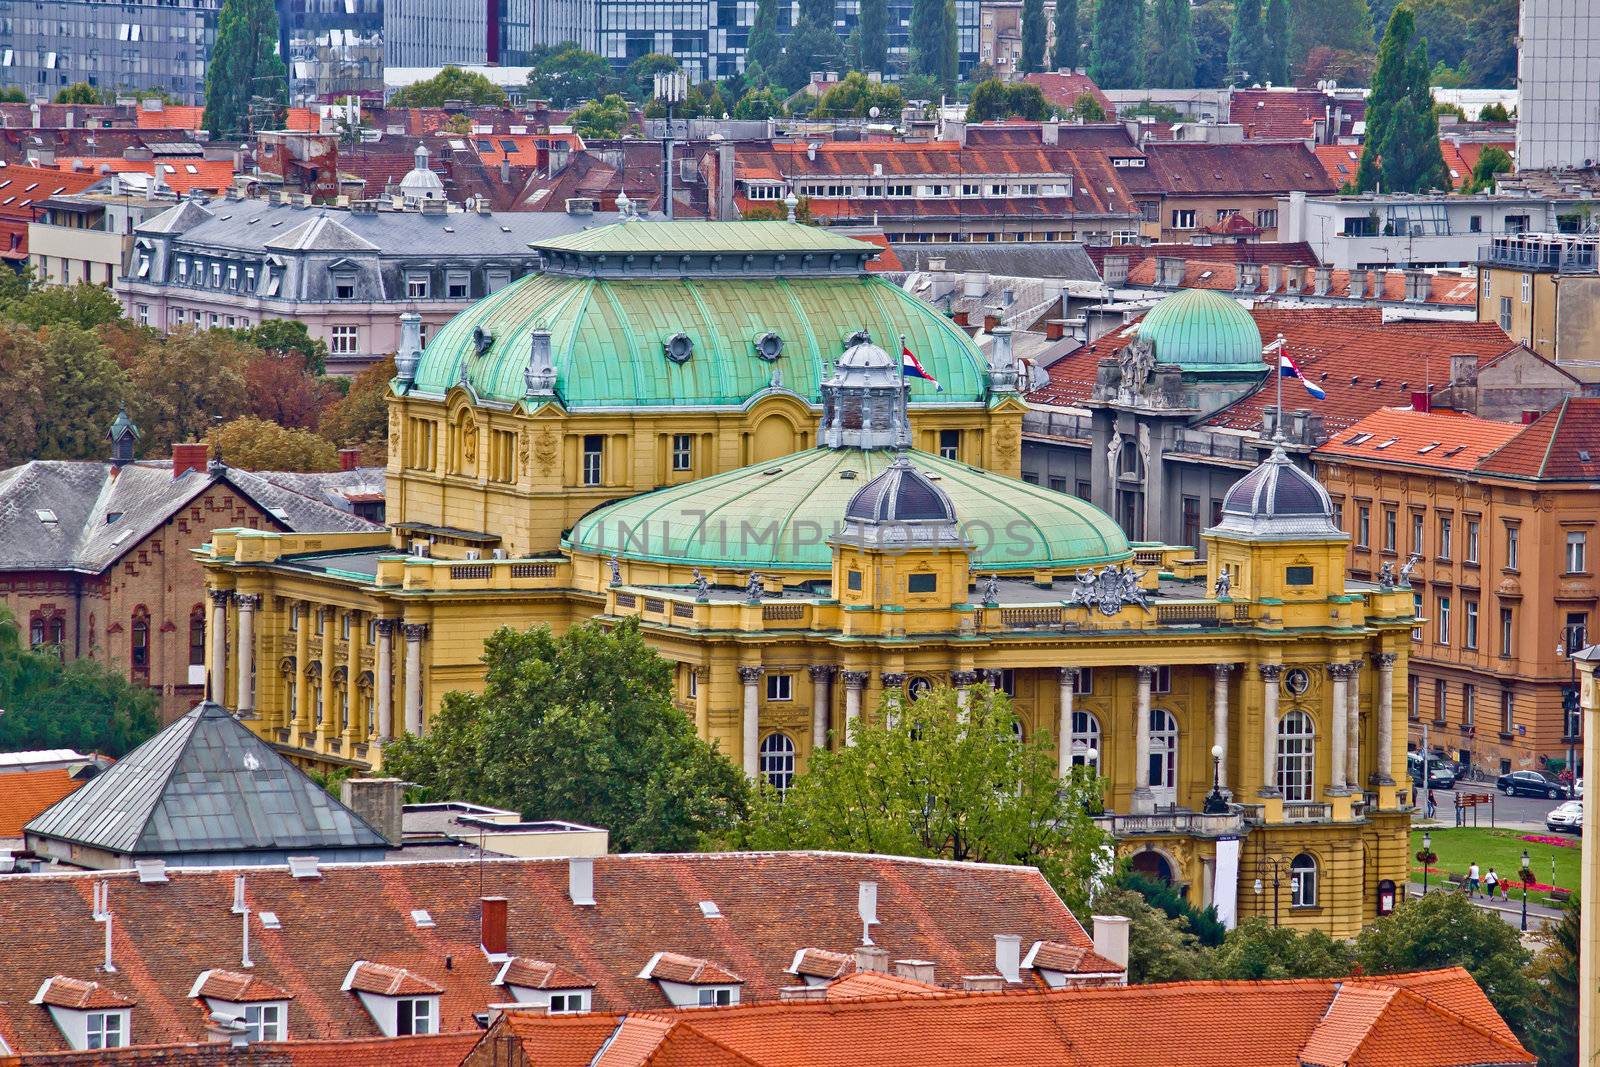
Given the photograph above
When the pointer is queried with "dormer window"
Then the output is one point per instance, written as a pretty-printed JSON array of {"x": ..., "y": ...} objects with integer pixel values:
[
  {"x": 260, "y": 1006},
  {"x": 688, "y": 982},
  {"x": 401, "y": 1002},
  {"x": 538, "y": 983},
  {"x": 718, "y": 996},
  {"x": 416, "y": 1015},
  {"x": 88, "y": 1014}
]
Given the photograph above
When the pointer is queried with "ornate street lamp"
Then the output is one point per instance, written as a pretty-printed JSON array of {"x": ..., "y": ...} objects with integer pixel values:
[
  {"x": 1527, "y": 876},
  {"x": 1216, "y": 803},
  {"x": 1426, "y": 856}
]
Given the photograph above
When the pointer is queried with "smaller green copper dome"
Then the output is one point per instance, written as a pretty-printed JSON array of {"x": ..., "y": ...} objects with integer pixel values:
[{"x": 1200, "y": 329}]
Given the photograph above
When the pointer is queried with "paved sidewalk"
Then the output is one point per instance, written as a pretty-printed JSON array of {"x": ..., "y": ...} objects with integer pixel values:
[{"x": 1539, "y": 915}]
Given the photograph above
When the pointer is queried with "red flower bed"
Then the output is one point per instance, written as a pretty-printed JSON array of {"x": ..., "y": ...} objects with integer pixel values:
[{"x": 1559, "y": 842}]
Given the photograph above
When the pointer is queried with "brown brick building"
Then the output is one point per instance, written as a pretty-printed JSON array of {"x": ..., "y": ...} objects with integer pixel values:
[{"x": 96, "y": 558}]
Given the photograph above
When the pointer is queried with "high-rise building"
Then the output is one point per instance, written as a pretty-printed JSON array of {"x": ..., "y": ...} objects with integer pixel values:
[
  {"x": 1558, "y": 76},
  {"x": 46, "y": 45},
  {"x": 333, "y": 48}
]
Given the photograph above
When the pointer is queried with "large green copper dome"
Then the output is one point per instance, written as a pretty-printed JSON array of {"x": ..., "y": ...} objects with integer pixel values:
[
  {"x": 778, "y": 515},
  {"x": 1202, "y": 330},
  {"x": 648, "y": 314}
]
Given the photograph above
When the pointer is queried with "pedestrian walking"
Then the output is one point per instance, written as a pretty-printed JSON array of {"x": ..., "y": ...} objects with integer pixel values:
[
  {"x": 1491, "y": 882},
  {"x": 1433, "y": 804},
  {"x": 1472, "y": 879}
]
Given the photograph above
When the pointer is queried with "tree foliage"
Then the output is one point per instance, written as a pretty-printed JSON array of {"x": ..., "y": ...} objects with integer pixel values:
[
  {"x": 182, "y": 386},
  {"x": 1247, "y": 56},
  {"x": 601, "y": 119},
  {"x": 1161, "y": 948},
  {"x": 857, "y": 95},
  {"x": 83, "y": 305},
  {"x": 994, "y": 99},
  {"x": 245, "y": 68},
  {"x": 1171, "y": 64},
  {"x": 288, "y": 336},
  {"x": 78, "y": 93},
  {"x": 1276, "y": 45},
  {"x": 83, "y": 389},
  {"x": 280, "y": 389},
  {"x": 640, "y": 78},
  {"x": 360, "y": 419},
  {"x": 763, "y": 50},
  {"x": 569, "y": 75},
  {"x": 874, "y": 40},
  {"x": 10, "y": 94},
  {"x": 1493, "y": 112},
  {"x": 579, "y": 727},
  {"x": 1117, "y": 48},
  {"x": 927, "y": 780},
  {"x": 1448, "y": 930},
  {"x": 1068, "y": 39},
  {"x": 1402, "y": 147},
  {"x": 451, "y": 83},
  {"x": 933, "y": 41},
  {"x": 1034, "y": 34},
  {"x": 257, "y": 445},
  {"x": 21, "y": 392},
  {"x": 1336, "y": 26},
  {"x": 1256, "y": 949},
  {"x": 81, "y": 704},
  {"x": 761, "y": 103},
  {"x": 1553, "y": 1012},
  {"x": 1212, "y": 24}
]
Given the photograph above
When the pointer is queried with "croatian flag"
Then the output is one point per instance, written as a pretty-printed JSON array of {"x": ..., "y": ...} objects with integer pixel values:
[
  {"x": 1288, "y": 369},
  {"x": 911, "y": 368}
]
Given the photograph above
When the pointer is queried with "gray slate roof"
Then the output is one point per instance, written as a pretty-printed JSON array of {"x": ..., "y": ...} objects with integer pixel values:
[
  {"x": 1063, "y": 261},
  {"x": 102, "y": 512},
  {"x": 204, "y": 784}
]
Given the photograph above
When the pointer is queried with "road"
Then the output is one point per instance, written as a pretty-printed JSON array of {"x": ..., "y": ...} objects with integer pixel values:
[
  {"x": 1512, "y": 813},
  {"x": 1539, "y": 915}
]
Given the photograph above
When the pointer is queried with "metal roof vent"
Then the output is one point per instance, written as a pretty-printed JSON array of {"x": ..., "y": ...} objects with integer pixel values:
[
  {"x": 151, "y": 871},
  {"x": 678, "y": 348},
  {"x": 269, "y": 920},
  {"x": 304, "y": 867},
  {"x": 423, "y": 920},
  {"x": 709, "y": 909}
]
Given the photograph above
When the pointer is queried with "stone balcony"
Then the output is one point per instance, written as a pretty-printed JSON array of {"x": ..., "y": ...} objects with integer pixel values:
[{"x": 1170, "y": 821}]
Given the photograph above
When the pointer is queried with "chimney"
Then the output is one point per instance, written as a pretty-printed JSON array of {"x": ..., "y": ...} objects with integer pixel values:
[
  {"x": 1274, "y": 277},
  {"x": 1008, "y": 956},
  {"x": 1421, "y": 401},
  {"x": 380, "y": 801},
  {"x": 349, "y": 458},
  {"x": 580, "y": 880},
  {"x": 410, "y": 352},
  {"x": 1323, "y": 281},
  {"x": 505, "y": 170},
  {"x": 1417, "y": 286},
  {"x": 1358, "y": 284},
  {"x": 191, "y": 456},
  {"x": 304, "y": 867},
  {"x": 983, "y": 983},
  {"x": 151, "y": 871},
  {"x": 494, "y": 925},
  {"x": 867, "y": 909},
  {"x": 1463, "y": 369},
  {"x": 1055, "y": 329},
  {"x": 1111, "y": 938},
  {"x": 803, "y": 992},
  {"x": 872, "y": 958},
  {"x": 991, "y": 321},
  {"x": 1169, "y": 270},
  {"x": 915, "y": 970}
]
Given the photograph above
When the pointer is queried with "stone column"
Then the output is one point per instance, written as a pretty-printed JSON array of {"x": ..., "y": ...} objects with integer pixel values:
[
  {"x": 355, "y": 729},
  {"x": 300, "y": 714},
  {"x": 1068, "y": 677},
  {"x": 1352, "y": 757},
  {"x": 1340, "y": 673},
  {"x": 383, "y": 679},
  {"x": 219, "y": 645},
  {"x": 854, "y": 683},
  {"x": 1219, "y": 717},
  {"x": 702, "y": 702},
  {"x": 751, "y": 677},
  {"x": 1144, "y": 801},
  {"x": 1383, "y": 775},
  {"x": 894, "y": 694},
  {"x": 328, "y": 726},
  {"x": 1270, "y": 673},
  {"x": 963, "y": 681},
  {"x": 821, "y": 706},
  {"x": 248, "y": 603},
  {"x": 414, "y": 633}
]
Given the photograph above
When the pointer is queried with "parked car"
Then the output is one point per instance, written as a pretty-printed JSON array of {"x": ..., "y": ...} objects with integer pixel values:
[
  {"x": 1441, "y": 774},
  {"x": 1568, "y": 817},
  {"x": 1532, "y": 784}
]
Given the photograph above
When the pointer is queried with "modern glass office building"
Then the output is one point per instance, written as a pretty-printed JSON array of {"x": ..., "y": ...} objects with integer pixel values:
[{"x": 46, "y": 45}]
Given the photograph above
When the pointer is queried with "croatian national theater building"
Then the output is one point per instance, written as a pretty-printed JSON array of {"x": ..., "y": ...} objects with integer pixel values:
[{"x": 707, "y": 426}]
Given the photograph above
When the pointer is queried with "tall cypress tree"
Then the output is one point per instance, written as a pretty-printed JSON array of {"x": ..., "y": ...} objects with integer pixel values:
[
  {"x": 1066, "y": 51},
  {"x": 874, "y": 27},
  {"x": 819, "y": 12},
  {"x": 1173, "y": 63},
  {"x": 763, "y": 45},
  {"x": 1033, "y": 36},
  {"x": 245, "y": 66},
  {"x": 1276, "y": 44},
  {"x": 1117, "y": 49},
  {"x": 949, "y": 60},
  {"x": 1402, "y": 149},
  {"x": 1246, "y": 56},
  {"x": 933, "y": 41}
]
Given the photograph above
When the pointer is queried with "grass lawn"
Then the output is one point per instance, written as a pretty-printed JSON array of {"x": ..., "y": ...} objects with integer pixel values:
[{"x": 1502, "y": 850}]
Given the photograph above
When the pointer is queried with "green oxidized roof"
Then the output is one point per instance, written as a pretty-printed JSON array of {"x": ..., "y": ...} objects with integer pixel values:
[
  {"x": 1203, "y": 330},
  {"x": 778, "y": 515},
  {"x": 640, "y": 237},
  {"x": 607, "y": 336}
]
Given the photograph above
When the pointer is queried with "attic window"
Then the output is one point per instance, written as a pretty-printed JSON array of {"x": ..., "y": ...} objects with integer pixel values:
[
  {"x": 112, "y": 516},
  {"x": 46, "y": 515},
  {"x": 1429, "y": 447},
  {"x": 848, "y": 476},
  {"x": 770, "y": 471},
  {"x": 1386, "y": 444},
  {"x": 269, "y": 920},
  {"x": 421, "y": 917},
  {"x": 279, "y": 514},
  {"x": 1583, "y": 455},
  {"x": 1359, "y": 439},
  {"x": 709, "y": 909},
  {"x": 1447, "y": 453}
]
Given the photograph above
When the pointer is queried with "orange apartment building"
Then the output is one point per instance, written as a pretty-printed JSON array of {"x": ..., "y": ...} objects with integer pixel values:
[{"x": 1501, "y": 520}]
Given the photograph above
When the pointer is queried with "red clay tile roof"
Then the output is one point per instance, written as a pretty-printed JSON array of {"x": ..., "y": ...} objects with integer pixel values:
[
  {"x": 888, "y": 260},
  {"x": 537, "y": 974},
  {"x": 864, "y": 984},
  {"x": 237, "y": 988},
  {"x": 1451, "y": 988},
  {"x": 1067, "y": 959},
  {"x": 25, "y": 794},
  {"x": 433, "y": 1050},
  {"x": 1337, "y": 348},
  {"x": 1062, "y": 88},
  {"x": 1264, "y": 1024},
  {"x": 525, "y": 149},
  {"x": 63, "y": 992},
  {"x": 1341, "y": 161},
  {"x": 674, "y": 967},
  {"x": 1454, "y": 290},
  {"x": 820, "y": 963},
  {"x": 1286, "y": 113},
  {"x": 773, "y": 904},
  {"x": 389, "y": 981},
  {"x": 1223, "y": 252},
  {"x": 180, "y": 174},
  {"x": 1254, "y": 168},
  {"x": 1440, "y": 440},
  {"x": 171, "y": 117},
  {"x": 23, "y": 187},
  {"x": 1563, "y": 444}
]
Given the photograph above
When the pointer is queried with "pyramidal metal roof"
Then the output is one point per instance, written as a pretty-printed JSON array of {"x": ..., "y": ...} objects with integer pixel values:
[{"x": 204, "y": 784}]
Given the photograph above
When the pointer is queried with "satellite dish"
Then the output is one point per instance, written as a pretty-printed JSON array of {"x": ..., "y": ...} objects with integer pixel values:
[
  {"x": 678, "y": 348},
  {"x": 769, "y": 346},
  {"x": 874, "y": 111}
]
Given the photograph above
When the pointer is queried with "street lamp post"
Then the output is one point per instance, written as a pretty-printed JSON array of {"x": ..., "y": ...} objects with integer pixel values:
[
  {"x": 1216, "y": 803},
  {"x": 1526, "y": 876},
  {"x": 1277, "y": 882},
  {"x": 1427, "y": 850}
]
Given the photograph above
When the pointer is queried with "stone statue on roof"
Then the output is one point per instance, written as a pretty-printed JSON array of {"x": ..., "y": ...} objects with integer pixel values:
[
  {"x": 1136, "y": 362},
  {"x": 702, "y": 588}
]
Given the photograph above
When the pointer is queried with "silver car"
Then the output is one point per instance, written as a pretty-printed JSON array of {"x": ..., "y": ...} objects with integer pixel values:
[{"x": 1566, "y": 817}]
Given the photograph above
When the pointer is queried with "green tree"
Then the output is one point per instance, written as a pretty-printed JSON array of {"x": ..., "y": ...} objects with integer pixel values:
[
  {"x": 810, "y": 46},
  {"x": 288, "y": 336},
  {"x": 1172, "y": 64},
  {"x": 1276, "y": 45},
  {"x": 578, "y": 727},
  {"x": 1160, "y": 948},
  {"x": 1247, "y": 59},
  {"x": 994, "y": 99},
  {"x": 874, "y": 30},
  {"x": 1553, "y": 1015},
  {"x": 1256, "y": 949},
  {"x": 1087, "y": 109},
  {"x": 1116, "y": 50},
  {"x": 1336, "y": 25},
  {"x": 451, "y": 83},
  {"x": 640, "y": 79},
  {"x": 78, "y": 93},
  {"x": 758, "y": 104},
  {"x": 1494, "y": 112},
  {"x": 1033, "y": 36},
  {"x": 360, "y": 419},
  {"x": 1492, "y": 45},
  {"x": 569, "y": 76},
  {"x": 601, "y": 119},
  {"x": 1448, "y": 930},
  {"x": 245, "y": 69},
  {"x": 254, "y": 444},
  {"x": 83, "y": 390},
  {"x": 1066, "y": 51},
  {"x": 764, "y": 48},
  {"x": 1213, "y": 24},
  {"x": 926, "y": 780},
  {"x": 12, "y": 95},
  {"x": 82, "y": 704},
  {"x": 1402, "y": 147},
  {"x": 857, "y": 95},
  {"x": 83, "y": 305},
  {"x": 21, "y": 393},
  {"x": 933, "y": 45}
]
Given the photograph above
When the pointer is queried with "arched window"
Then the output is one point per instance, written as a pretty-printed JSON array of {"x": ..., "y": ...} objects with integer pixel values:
[
  {"x": 1016, "y": 731},
  {"x": 197, "y": 636},
  {"x": 36, "y": 632},
  {"x": 1296, "y": 745},
  {"x": 58, "y": 631},
  {"x": 1163, "y": 755},
  {"x": 139, "y": 643},
  {"x": 777, "y": 761},
  {"x": 1303, "y": 881},
  {"x": 1085, "y": 736}
]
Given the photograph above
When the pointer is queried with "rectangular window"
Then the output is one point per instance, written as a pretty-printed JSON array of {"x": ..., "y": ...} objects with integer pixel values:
[
  {"x": 682, "y": 451},
  {"x": 594, "y": 446},
  {"x": 693, "y": 687},
  {"x": 1577, "y": 552},
  {"x": 502, "y": 456},
  {"x": 1082, "y": 489},
  {"x": 1472, "y": 542},
  {"x": 143, "y": 314},
  {"x": 1416, "y": 533},
  {"x": 1505, "y": 313},
  {"x": 344, "y": 626},
  {"x": 1338, "y": 513},
  {"x": 922, "y": 583},
  {"x": 1413, "y": 697},
  {"x": 1469, "y": 639},
  {"x": 416, "y": 286},
  {"x": 1508, "y": 712},
  {"x": 1513, "y": 547},
  {"x": 1191, "y": 521},
  {"x": 1527, "y": 288},
  {"x": 1083, "y": 682},
  {"x": 566, "y": 1003},
  {"x": 1298, "y": 575},
  {"x": 105, "y": 1029},
  {"x": 1575, "y": 635},
  {"x": 1183, "y": 220},
  {"x": 780, "y": 687},
  {"x": 1507, "y": 628},
  {"x": 294, "y": 617},
  {"x": 458, "y": 285},
  {"x": 413, "y": 1015},
  {"x": 720, "y": 997},
  {"x": 1441, "y": 699},
  {"x": 852, "y": 581},
  {"x": 1267, "y": 218},
  {"x": 264, "y": 1022},
  {"x": 950, "y": 444},
  {"x": 344, "y": 340},
  {"x": 1446, "y": 528},
  {"x": 1416, "y": 610},
  {"x": 1444, "y": 620},
  {"x": 322, "y": 621},
  {"x": 344, "y": 291},
  {"x": 423, "y": 453},
  {"x": 1363, "y": 526},
  {"x": 1163, "y": 680},
  {"x": 1391, "y": 520},
  {"x": 1008, "y": 681},
  {"x": 1469, "y": 704}
]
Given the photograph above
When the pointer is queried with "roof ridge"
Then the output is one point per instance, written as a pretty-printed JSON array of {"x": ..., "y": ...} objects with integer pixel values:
[
  {"x": 1429, "y": 1004},
  {"x": 1555, "y": 432}
]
